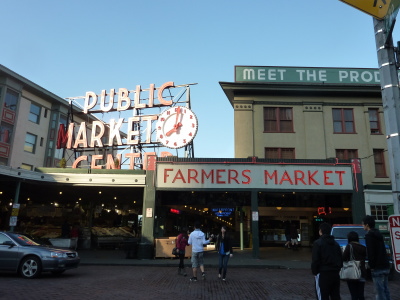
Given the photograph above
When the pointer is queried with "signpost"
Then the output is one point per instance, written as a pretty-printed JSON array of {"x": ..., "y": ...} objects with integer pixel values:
[
  {"x": 394, "y": 226},
  {"x": 384, "y": 13}
]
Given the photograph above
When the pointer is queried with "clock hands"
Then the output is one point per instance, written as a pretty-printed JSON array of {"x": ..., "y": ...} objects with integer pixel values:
[{"x": 177, "y": 124}]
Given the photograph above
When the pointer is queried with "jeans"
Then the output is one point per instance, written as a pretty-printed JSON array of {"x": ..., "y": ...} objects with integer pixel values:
[
  {"x": 181, "y": 258},
  {"x": 223, "y": 264},
  {"x": 356, "y": 288},
  {"x": 380, "y": 279}
]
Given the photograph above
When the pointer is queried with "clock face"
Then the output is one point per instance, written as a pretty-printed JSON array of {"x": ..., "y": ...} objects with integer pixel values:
[{"x": 176, "y": 127}]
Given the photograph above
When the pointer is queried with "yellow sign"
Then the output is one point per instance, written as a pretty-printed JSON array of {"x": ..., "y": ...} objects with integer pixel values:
[{"x": 376, "y": 8}]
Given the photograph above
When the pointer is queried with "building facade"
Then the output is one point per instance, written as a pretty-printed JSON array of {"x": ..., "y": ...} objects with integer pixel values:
[
  {"x": 310, "y": 147},
  {"x": 314, "y": 113}
]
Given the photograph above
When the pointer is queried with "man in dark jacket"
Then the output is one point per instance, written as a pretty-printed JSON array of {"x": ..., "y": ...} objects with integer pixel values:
[
  {"x": 377, "y": 259},
  {"x": 325, "y": 265}
]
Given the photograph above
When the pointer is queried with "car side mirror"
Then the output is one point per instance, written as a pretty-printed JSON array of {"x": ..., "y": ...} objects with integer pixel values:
[{"x": 9, "y": 243}]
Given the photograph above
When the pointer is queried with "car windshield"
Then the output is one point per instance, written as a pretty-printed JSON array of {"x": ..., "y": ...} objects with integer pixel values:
[
  {"x": 341, "y": 232},
  {"x": 23, "y": 240}
]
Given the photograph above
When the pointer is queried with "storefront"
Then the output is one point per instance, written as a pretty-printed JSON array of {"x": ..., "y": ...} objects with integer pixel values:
[
  {"x": 105, "y": 206},
  {"x": 254, "y": 197}
]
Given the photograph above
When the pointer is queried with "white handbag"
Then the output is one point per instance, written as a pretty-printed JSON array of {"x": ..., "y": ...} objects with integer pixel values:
[{"x": 351, "y": 269}]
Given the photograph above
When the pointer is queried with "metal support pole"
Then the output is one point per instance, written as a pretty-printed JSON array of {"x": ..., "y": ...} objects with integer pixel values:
[
  {"x": 254, "y": 224},
  {"x": 241, "y": 229},
  {"x": 391, "y": 103},
  {"x": 16, "y": 199}
]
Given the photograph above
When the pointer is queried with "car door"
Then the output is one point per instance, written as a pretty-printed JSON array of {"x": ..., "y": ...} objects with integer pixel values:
[{"x": 8, "y": 253}]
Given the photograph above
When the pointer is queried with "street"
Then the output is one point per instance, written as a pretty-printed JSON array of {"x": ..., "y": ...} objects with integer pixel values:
[{"x": 161, "y": 282}]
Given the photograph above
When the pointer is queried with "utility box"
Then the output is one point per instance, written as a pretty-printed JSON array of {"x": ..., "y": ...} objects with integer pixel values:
[{"x": 165, "y": 245}]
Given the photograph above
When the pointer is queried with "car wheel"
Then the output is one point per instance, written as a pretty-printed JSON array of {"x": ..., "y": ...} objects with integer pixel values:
[{"x": 31, "y": 267}]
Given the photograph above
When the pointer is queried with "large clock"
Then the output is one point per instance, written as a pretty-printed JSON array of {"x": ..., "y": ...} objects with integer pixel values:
[{"x": 176, "y": 127}]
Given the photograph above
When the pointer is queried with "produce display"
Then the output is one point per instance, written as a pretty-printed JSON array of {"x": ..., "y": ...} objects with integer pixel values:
[{"x": 112, "y": 231}]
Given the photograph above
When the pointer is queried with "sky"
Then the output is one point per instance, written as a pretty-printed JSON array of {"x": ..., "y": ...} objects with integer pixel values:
[{"x": 71, "y": 47}]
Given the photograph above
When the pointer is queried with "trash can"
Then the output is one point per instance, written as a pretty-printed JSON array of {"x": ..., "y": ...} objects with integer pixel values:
[
  {"x": 130, "y": 247},
  {"x": 145, "y": 251}
]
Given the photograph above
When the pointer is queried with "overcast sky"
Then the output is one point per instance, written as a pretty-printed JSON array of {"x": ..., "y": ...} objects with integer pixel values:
[{"x": 71, "y": 47}]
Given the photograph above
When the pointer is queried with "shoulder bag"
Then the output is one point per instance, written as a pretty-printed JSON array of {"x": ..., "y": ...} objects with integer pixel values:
[
  {"x": 175, "y": 250},
  {"x": 351, "y": 269}
]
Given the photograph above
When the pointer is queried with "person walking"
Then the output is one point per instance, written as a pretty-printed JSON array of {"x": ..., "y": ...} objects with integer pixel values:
[
  {"x": 181, "y": 243},
  {"x": 197, "y": 240},
  {"x": 326, "y": 264},
  {"x": 377, "y": 259},
  {"x": 294, "y": 235},
  {"x": 225, "y": 251},
  {"x": 354, "y": 250},
  {"x": 287, "y": 235}
]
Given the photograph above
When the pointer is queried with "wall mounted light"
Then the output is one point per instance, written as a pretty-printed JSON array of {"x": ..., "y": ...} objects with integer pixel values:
[
  {"x": 346, "y": 208},
  {"x": 278, "y": 208}
]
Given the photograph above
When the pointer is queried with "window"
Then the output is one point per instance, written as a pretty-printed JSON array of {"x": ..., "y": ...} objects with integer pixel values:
[
  {"x": 343, "y": 120},
  {"x": 11, "y": 100},
  {"x": 374, "y": 123},
  {"x": 58, "y": 153},
  {"x": 380, "y": 212},
  {"x": 27, "y": 167},
  {"x": 34, "y": 113},
  {"x": 346, "y": 153},
  {"x": 278, "y": 119},
  {"x": 282, "y": 153},
  {"x": 379, "y": 160},
  {"x": 30, "y": 143},
  {"x": 6, "y": 131}
]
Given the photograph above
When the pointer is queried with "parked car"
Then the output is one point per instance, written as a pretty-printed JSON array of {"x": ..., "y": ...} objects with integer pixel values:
[
  {"x": 340, "y": 231},
  {"x": 23, "y": 255}
]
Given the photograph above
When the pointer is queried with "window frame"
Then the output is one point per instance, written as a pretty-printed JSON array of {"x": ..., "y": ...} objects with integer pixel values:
[
  {"x": 346, "y": 153},
  {"x": 343, "y": 121},
  {"x": 33, "y": 116},
  {"x": 278, "y": 120},
  {"x": 380, "y": 166},
  {"x": 26, "y": 167},
  {"x": 33, "y": 146},
  {"x": 378, "y": 211},
  {"x": 279, "y": 151},
  {"x": 11, "y": 99},
  {"x": 378, "y": 128}
]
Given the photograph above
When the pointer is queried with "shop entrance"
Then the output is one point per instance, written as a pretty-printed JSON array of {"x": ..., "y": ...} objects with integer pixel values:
[
  {"x": 303, "y": 210},
  {"x": 175, "y": 210}
]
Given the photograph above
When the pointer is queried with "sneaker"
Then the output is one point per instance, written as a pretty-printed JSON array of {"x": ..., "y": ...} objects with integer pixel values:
[
  {"x": 219, "y": 276},
  {"x": 223, "y": 279},
  {"x": 193, "y": 279},
  {"x": 203, "y": 275}
]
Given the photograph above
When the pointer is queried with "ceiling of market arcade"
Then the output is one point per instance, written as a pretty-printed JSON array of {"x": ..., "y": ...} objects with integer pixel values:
[{"x": 66, "y": 195}]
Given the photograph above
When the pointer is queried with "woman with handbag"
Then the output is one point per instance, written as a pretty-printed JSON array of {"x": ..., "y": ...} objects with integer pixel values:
[
  {"x": 181, "y": 243},
  {"x": 225, "y": 251},
  {"x": 359, "y": 252}
]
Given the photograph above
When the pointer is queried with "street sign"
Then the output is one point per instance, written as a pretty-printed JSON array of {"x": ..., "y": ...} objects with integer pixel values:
[
  {"x": 379, "y": 9},
  {"x": 394, "y": 227}
]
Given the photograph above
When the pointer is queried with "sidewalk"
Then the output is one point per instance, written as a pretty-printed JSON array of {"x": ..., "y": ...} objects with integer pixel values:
[{"x": 270, "y": 257}]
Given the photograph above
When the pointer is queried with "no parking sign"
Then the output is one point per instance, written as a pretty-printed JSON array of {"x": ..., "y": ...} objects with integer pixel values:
[{"x": 394, "y": 225}]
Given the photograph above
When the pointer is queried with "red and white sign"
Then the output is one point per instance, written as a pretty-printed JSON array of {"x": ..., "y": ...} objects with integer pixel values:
[
  {"x": 247, "y": 176},
  {"x": 394, "y": 227}
]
